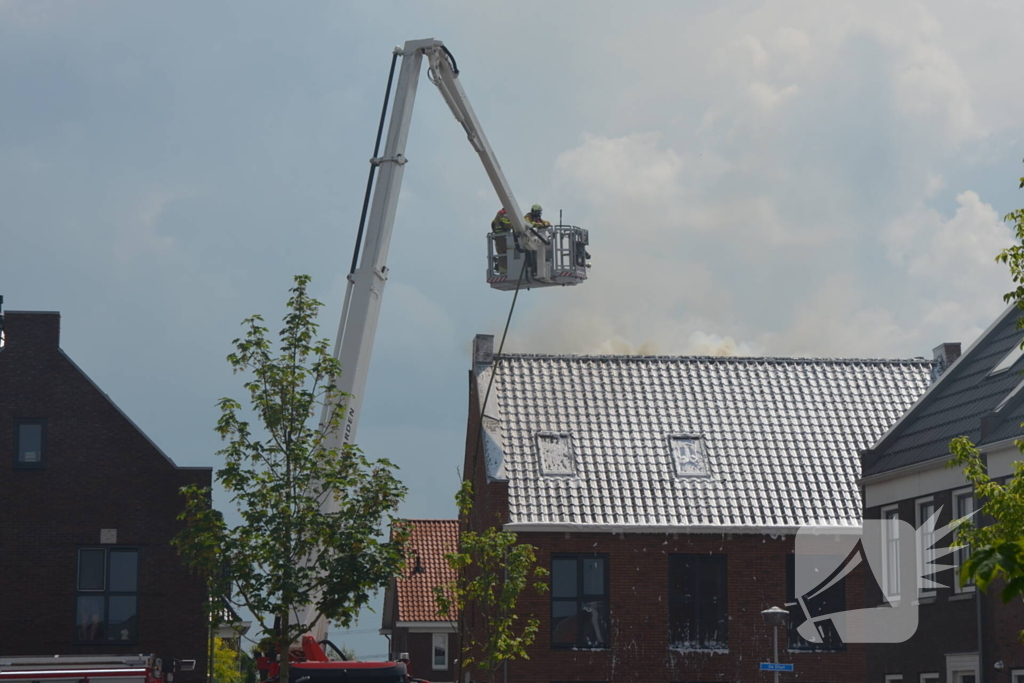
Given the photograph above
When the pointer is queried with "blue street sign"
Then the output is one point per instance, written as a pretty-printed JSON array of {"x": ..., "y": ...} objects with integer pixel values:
[{"x": 769, "y": 666}]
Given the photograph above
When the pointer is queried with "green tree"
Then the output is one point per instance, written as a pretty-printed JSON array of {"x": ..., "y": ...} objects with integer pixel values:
[
  {"x": 997, "y": 550},
  {"x": 312, "y": 514},
  {"x": 493, "y": 570},
  {"x": 226, "y": 662}
]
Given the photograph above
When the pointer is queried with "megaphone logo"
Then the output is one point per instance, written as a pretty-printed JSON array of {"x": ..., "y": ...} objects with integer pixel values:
[{"x": 902, "y": 561}]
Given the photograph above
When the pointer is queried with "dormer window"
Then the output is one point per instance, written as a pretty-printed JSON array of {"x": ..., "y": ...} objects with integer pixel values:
[
  {"x": 554, "y": 451},
  {"x": 1008, "y": 360},
  {"x": 689, "y": 456}
]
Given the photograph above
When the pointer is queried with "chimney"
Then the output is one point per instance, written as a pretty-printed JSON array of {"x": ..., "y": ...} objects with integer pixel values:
[
  {"x": 945, "y": 354},
  {"x": 31, "y": 329},
  {"x": 483, "y": 349}
]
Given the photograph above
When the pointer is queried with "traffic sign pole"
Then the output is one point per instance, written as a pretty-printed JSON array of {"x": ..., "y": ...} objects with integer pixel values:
[{"x": 775, "y": 634}]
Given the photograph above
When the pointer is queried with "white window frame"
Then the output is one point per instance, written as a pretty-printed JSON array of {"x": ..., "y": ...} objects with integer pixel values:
[
  {"x": 929, "y": 678},
  {"x": 925, "y": 551},
  {"x": 436, "y": 638},
  {"x": 893, "y": 678},
  {"x": 1017, "y": 676},
  {"x": 958, "y": 556},
  {"x": 887, "y": 530},
  {"x": 961, "y": 664}
]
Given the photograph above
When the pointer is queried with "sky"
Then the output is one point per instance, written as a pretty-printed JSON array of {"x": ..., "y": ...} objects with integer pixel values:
[{"x": 785, "y": 178}]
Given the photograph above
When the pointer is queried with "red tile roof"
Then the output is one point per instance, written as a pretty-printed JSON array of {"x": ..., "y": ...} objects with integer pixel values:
[{"x": 426, "y": 568}]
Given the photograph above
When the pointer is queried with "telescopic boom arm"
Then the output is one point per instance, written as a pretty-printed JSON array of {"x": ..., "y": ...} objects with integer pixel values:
[{"x": 365, "y": 290}]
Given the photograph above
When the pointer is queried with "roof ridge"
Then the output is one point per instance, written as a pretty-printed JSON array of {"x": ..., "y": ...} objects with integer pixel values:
[
  {"x": 428, "y": 519},
  {"x": 919, "y": 360}
]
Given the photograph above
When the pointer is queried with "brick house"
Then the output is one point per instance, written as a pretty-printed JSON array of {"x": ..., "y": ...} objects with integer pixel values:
[
  {"x": 961, "y": 635},
  {"x": 410, "y": 619},
  {"x": 90, "y": 506},
  {"x": 663, "y": 495}
]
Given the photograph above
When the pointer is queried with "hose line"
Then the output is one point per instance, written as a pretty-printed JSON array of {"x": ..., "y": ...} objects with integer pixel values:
[{"x": 373, "y": 166}]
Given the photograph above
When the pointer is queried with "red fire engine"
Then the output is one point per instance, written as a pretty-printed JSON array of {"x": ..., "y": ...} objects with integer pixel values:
[
  {"x": 312, "y": 665},
  {"x": 90, "y": 669}
]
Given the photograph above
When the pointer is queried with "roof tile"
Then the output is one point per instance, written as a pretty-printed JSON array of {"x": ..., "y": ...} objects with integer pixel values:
[
  {"x": 781, "y": 436},
  {"x": 426, "y": 568}
]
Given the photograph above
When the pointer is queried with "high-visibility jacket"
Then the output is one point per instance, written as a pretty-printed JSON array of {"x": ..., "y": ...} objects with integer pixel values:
[
  {"x": 536, "y": 222},
  {"x": 501, "y": 223}
]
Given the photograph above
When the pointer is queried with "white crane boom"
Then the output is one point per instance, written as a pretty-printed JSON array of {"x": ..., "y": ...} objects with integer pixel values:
[{"x": 365, "y": 290}]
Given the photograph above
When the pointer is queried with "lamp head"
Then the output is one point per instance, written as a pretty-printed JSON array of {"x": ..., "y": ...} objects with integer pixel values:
[{"x": 775, "y": 616}]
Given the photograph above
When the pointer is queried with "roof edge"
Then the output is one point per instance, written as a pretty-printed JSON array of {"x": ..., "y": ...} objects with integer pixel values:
[
  {"x": 951, "y": 371},
  {"x": 125, "y": 416},
  {"x": 423, "y": 624},
  {"x": 668, "y": 529},
  {"x": 717, "y": 359}
]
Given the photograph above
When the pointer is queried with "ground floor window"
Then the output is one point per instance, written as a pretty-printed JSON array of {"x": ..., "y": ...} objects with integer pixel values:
[
  {"x": 106, "y": 600},
  {"x": 579, "y": 601},
  {"x": 697, "y": 614},
  {"x": 440, "y": 651}
]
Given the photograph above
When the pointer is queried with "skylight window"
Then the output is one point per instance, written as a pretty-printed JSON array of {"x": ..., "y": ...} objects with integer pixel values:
[
  {"x": 689, "y": 456},
  {"x": 555, "y": 453},
  {"x": 1008, "y": 360}
]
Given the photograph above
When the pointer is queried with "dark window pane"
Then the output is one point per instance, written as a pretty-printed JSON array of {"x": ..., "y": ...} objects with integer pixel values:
[
  {"x": 712, "y": 626},
  {"x": 563, "y": 577},
  {"x": 30, "y": 442},
  {"x": 682, "y": 616},
  {"x": 124, "y": 568},
  {"x": 121, "y": 622},
  {"x": 697, "y": 602},
  {"x": 680, "y": 581},
  {"x": 564, "y": 622},
  {"x": 440, "y": 649},
  {"x": 89, "y": 620},
  {"x": 91, "y": 570},
  {"x": 711, "y": 578},
  {"x": 593, "y": 577},
  {"x": 594, "y": 617}
]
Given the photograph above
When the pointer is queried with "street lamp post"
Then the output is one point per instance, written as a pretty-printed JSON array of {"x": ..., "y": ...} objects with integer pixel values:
[{"x": 776, "y": 617}]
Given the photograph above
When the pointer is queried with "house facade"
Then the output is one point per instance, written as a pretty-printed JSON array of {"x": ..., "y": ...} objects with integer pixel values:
[
  {"x": 90, "y": 507},
  {"x": 663, "y": 495},
  {"x": 410, "y": 619},
  {"x": 962, "y": 636}
]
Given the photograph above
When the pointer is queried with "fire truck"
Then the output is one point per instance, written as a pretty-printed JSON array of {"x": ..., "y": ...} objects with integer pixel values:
[
  {"x": 312, "y": 665},
  {"x": 91, "y": 669}
]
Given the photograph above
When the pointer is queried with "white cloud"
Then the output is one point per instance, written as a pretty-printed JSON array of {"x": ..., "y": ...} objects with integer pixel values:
[
  {"x": 767, "y": 98},
  {"x": 139, "y": 236},
  {"x": 961, "y": 247},
  {"x": 634, "y": 167}
]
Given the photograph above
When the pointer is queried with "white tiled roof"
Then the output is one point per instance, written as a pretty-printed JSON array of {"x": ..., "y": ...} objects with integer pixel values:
[{"x": 781, "y": 438}]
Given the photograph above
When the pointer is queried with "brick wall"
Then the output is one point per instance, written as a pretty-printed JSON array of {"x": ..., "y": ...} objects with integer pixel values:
[
  {"x": 421, "y": 657},
  {"x": 100, "y": 473},
  {"x": 948, "y": 622},
  {"x": 638, "y": 573}
]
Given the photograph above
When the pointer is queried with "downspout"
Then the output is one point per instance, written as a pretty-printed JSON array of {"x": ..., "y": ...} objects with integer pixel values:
[
  {"x": 977, "y": 592},
  {"x": 981, "y": 651}
]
